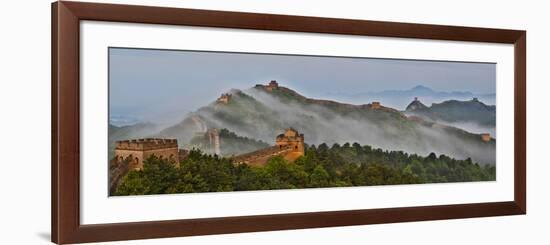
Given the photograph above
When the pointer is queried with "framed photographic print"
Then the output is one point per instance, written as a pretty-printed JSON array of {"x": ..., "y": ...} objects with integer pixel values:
[{"x": 178, "y": 122}]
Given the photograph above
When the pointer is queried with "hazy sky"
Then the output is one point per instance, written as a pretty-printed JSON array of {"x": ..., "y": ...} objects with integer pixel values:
[{"x": 146, "y": 84}]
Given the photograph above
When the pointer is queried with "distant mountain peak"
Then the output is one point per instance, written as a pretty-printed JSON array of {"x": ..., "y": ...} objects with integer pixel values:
[
  {"x": 456, "y": 111},
  {"x": 423, "y": 88}
]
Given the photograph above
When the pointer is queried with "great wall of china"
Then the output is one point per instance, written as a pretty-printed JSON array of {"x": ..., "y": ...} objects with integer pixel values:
[
  {"x": 258, "y": 157},
  {"x": 130, "y": 154}
]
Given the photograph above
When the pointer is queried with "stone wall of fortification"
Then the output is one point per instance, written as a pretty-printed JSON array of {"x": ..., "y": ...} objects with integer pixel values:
[
  {"x": 260, "y": 157},
  {"x": 289, "y": 145}
]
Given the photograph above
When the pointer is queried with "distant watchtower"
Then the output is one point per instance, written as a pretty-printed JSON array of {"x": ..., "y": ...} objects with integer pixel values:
[
  {"x": 137, "y": 150},
  {"x": 272, "y": 85},
  {"x": 224, "y": 98},
  {"x": 375, "y": 105},
  {"x": 486, "y": 137}
]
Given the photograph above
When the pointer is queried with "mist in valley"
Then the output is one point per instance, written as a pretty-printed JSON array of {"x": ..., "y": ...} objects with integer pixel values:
[
  {"x": 322, "y": 125},
  {"x": 471, "y": 127}
]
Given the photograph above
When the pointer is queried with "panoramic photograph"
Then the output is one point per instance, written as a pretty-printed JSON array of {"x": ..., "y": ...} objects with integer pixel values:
[{"x": 203, "y": 121}]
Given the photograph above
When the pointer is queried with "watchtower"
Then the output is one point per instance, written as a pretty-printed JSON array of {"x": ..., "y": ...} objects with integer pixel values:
[
  {"x": 224, "y": 98},
  {"x": 291, "y": 139},
  {"x": 137, "y": 150},
  {"x": 272, "y": 85},
  {"x": 486, "y": 137}
]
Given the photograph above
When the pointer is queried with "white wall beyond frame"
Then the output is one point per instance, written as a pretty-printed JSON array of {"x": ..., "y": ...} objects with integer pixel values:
[
  {"x": 96, "y": 207},
  {"x": 26, "y": 109}
]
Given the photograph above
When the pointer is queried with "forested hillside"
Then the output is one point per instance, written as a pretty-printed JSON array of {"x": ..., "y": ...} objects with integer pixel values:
[{"x": 321, "y": 166}]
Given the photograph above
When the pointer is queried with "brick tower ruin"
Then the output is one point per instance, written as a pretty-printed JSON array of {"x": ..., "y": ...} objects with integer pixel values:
[{"x": 214, "y": 140}]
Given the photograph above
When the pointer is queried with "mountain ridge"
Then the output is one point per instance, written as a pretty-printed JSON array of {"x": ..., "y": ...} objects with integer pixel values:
[
  {"x": 453, "y": 111},
  {"x": 261, "y": 112},
  {"x": 400, "y": 98}
]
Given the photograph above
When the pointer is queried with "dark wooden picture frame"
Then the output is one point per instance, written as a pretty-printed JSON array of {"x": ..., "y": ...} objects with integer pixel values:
[{"x": 65, "y": 175}]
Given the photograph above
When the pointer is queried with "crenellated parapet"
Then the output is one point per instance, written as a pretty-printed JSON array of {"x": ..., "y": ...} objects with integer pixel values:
[{"x": 146, "y": 144}]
